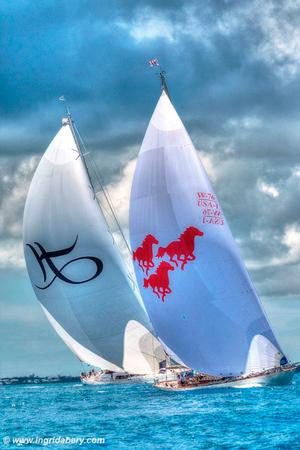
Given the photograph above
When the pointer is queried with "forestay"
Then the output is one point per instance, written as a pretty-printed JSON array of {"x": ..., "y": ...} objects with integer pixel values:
[
  {"x": 76, "y": 270},
  {"x": 194, "y": 284}
]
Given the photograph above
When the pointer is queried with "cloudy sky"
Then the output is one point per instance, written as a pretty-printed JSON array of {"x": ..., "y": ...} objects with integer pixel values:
[{"x": 234, "y": 76}]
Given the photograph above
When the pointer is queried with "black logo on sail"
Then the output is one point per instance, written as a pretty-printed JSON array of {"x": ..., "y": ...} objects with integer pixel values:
[{"x": 43, "y": 257}]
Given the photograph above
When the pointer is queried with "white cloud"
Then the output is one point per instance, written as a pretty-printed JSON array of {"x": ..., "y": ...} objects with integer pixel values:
[
  {"x": 151, "y": 27},
  {"x": 278, "y": 32},
  {"x": 11, "y": 254},
  {"x": 148, "y": 24},
  {"x": 291, "y": 239},
  {"x": 281, "y": 43},
  {"x": 14, "y": 186},
  {"x": 268, "y": 189}
]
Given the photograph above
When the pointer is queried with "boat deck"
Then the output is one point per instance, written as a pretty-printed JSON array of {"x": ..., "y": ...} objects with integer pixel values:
[{"x": 276, "y": 376}]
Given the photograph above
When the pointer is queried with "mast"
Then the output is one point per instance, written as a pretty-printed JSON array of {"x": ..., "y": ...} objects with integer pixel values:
[
  {"x": 72, "y": 127},
  {"x": 83, "y": 151},
  {"x": 162, "y": 75},
  {"x": 163, "y": 81}
]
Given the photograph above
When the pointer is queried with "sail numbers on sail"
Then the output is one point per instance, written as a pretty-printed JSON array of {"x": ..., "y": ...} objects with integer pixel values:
[{"x": 211, "y": 211}]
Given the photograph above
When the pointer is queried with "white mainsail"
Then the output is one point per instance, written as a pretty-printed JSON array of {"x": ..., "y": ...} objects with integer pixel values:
[
  {"x": 193, "y": 282},
  {"x": 75, "y": 268}
]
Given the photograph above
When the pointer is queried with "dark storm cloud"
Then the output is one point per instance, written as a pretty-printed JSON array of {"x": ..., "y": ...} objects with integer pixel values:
[
  {"x": 84, "y": 53},
  {"x": 233, "y": 72}
]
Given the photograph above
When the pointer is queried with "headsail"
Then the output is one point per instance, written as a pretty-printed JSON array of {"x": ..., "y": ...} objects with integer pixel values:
[
  {"x": 195, "y": 287},
  {"x": 75, "y": 268}
]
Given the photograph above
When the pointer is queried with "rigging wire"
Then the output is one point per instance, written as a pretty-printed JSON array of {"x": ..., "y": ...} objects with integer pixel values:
[
  {"x": 104, "y": 190},
  {"x": 98, "y": 176},
  {"x": 111, "y": 210}
]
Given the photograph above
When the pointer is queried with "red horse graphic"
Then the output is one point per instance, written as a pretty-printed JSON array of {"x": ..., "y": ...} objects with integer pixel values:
[
  {"x": 144, "y": 253},
  {"x": 182, "y": 248},
  {"x": 159, "y": 281}
]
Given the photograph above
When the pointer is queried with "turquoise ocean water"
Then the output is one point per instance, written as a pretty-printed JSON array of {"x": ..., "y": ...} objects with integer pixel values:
[{"x": 140, "y": 417}]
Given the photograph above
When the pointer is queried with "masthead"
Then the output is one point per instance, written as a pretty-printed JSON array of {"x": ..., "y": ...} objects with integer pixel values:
[
  {"x": 62, "y": 98},
  {"x": 162, "y": 75},
  {"x": 164, "y": 86}
]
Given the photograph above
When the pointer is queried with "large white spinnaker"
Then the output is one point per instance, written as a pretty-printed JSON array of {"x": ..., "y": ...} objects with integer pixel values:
[
  {"x": 76, "y": 269},
  {"x": 193, "y": 282}
]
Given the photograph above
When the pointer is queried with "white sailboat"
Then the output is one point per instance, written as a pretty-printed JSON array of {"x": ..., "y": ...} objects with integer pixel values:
[
  {"x": 193, "y": 282},
  {"x": 75, "y": 267}
]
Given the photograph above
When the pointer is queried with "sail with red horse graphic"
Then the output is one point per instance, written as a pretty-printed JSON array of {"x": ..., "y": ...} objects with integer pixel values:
[
  {"x": 181, "y": 250},
  {"x": 144, "y": 253},
  {"x": 211, "y": 316},
  {"x": 159, "y": 281}
]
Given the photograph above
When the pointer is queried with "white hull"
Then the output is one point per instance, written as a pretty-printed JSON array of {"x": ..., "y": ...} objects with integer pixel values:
[
  {"x": 99, "y": 382},
  {"x": 273, "y": 379},
  {"x": 130, "y": 380}
]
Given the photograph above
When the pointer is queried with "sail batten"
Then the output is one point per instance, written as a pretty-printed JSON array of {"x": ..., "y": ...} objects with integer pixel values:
[
  {"x": 76, "y": 271},
  {"x": 192, "y": 279}
]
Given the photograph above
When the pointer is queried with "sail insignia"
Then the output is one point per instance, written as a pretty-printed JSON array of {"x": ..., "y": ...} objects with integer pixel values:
[
  {"x": 48, "y": 256},
  {"x": 176, "y": 254}
]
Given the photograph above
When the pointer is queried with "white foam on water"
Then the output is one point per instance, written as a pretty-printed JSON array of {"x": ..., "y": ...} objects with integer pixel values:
[{"x": 246, "y": 386}]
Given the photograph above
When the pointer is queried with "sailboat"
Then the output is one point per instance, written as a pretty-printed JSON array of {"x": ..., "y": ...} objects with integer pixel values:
[
  {"x": 193, "y": 282},
  {"x": 76, "y": 269}
]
